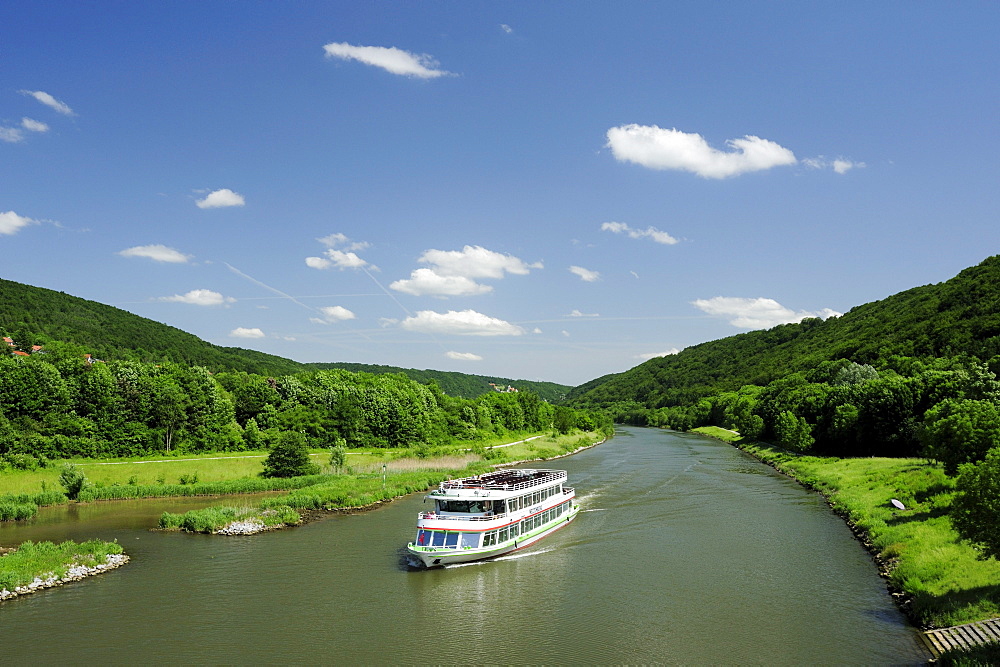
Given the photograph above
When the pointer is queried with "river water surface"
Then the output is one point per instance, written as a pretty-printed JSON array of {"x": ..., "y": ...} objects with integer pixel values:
[{"x": 687, "y": 552}]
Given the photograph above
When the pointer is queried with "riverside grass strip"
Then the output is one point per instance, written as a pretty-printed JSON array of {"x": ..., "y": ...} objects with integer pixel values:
[
  {"x": 937, "y": 580},
  {"x": 32, "y": 560}
]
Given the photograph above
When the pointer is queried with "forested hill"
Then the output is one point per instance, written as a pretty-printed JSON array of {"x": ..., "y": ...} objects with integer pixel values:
[
  {"x": 956, "y": 317},
  {"x": 55, "y": 319},
  {"x": 456, "y": 384}
]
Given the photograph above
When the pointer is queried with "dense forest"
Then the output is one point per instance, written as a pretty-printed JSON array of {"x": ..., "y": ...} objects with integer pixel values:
[
  {"x": 62, "y": 407},
  {"x": 82, "y": 378},
  {"x": 67, "y": 325},
  {"x": 457, "y": 384}
]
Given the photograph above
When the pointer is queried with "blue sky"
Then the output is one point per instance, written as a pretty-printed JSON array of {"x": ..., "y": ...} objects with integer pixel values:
[{"x": 547, "y": 191}]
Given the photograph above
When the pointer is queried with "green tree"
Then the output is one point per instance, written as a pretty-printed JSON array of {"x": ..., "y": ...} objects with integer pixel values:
[
  {"x": 793, "y": 432},
  {"x": 975, "y": 510},
  {"x": 168, "y": 408},
  {"x": 959, "y": 431},
  {"x": 252, "y": 438},
  {"x": 289, "y": 458}
]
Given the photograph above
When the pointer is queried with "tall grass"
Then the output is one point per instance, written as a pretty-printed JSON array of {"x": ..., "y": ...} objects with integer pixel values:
[
  {"x": 20, "y": 506},
  {"x": 34, "y": 559},
  {"x": 226, "y": 487}
]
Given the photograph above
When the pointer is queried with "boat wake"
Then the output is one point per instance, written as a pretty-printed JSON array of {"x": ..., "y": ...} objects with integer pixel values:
[{"x": 526, "y": 554}]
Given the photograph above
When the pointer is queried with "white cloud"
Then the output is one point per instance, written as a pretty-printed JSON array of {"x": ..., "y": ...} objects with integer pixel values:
[
  {"x": 337, "y": 313},
  {"x": 334, "y": 240},
  {"x": 650, "y": 232},
  {"x": 391, "y": 59},
  {"x": 463, "y": 356},
  {"x": 11, "y": 135},
  {"x": 33, "y": 125},
  {"x": 11, "y": 223},
  {"x": 14, "y": 135},
  {"x": 425, "y": 281},
  {"x": 341, "y": 258},
  {"x": 506, "y": 28},
  {"x": 757, "y": 313},
  {"x": 157, "y": 253},
  {"x": 653, "y": 355},
  {"x": 243, "y": 332},
  {"x": 839, "y": 165},
  {"x": 585, "y": 274},
  {"x": 221, "y": 199},
  {"x": 452, "y": 271},
  {"x": 460, "y": 323},
  {"x": 577, "y": 313},
  {"x": 50, "y": 101},
  {"x": 200, "y": 297},
  {"x": 843, "y": 166},
  {"x": 475, "y": 262},
  {"x": 658, "y": 148},
  {"x": 318, "y": 263}
]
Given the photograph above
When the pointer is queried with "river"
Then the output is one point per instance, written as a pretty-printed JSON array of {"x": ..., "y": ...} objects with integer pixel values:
[{"x": 687, "y": 552}]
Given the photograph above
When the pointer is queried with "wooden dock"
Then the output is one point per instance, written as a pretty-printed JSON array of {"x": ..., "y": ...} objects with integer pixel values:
[{"x": 962, "y": 636}]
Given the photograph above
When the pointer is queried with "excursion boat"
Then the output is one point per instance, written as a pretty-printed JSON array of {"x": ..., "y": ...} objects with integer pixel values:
[{"x": 491, "y": 514}]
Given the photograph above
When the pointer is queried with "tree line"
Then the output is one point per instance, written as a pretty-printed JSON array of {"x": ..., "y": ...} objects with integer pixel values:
[{"x": 58, "y": 407}]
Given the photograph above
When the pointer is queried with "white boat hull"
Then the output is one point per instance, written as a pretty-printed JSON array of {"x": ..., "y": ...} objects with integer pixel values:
[{"x": 442, "y": 556}]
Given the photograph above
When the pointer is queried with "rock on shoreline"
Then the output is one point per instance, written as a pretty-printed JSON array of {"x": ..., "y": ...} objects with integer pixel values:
[
  {"x": 75, "y": 572},
  {"x": 247, "y": 527}
]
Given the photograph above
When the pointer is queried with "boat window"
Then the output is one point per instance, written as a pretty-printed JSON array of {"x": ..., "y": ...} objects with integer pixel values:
[
  {"x": 490, "y": 538},
  {"x": 470, "y": 540},
  {"x": 423, "y": 538},
  {"x": 502, "y": 536},
  {"x": 451, "y": 540},
  {"x": 465, "y": 506},
  {"x": 536, "y": 498},
  {"x": 438, "y": 540}
]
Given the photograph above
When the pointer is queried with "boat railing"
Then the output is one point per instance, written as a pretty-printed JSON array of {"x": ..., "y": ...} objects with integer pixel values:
[
  {"x": 507, "y": 486},
  {"x": 454, "y": 517}
]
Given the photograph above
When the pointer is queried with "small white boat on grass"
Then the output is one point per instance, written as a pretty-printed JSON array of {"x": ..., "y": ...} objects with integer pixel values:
[{"x": 490, "y": 515}]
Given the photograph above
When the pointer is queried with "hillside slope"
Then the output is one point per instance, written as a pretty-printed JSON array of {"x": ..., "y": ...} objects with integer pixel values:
[
  {"x": 111, "y": 333},
  {"x": 958, "y": 316}
]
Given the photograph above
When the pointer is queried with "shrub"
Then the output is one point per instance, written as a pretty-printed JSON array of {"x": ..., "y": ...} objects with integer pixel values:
[
  {"x": 73, "y": 480},
  {"x": 289, "y": 458}
]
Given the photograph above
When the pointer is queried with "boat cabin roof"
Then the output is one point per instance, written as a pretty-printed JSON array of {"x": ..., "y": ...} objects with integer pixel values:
[{"x": 513, "y": 479}]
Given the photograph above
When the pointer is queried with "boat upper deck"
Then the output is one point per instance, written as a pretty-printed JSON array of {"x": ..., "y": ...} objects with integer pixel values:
[{"x": 506, "y": 480}]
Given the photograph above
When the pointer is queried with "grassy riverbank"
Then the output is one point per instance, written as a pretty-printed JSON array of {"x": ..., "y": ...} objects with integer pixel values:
[
  {"x": 23, "y": 491},
  {"x": 358, "y": 490},
  {"x": 941, "y": 580},
  {"x": 50, "y": 560},
  {"x": 233, "y": 473}
]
